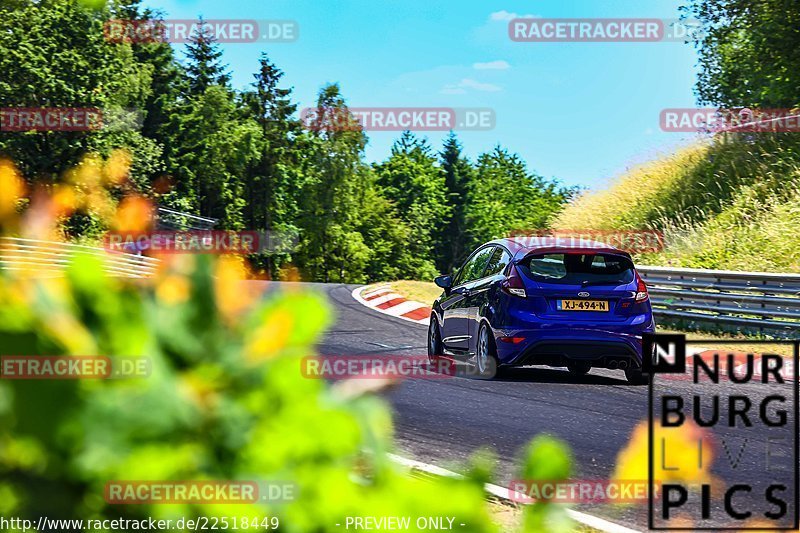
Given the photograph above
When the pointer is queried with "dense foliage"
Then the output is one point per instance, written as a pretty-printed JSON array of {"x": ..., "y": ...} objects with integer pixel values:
[
  {"x": 223, "y": 395},
  {"x": 749, "y": 52},
  {"x": 244, "y": 158}
]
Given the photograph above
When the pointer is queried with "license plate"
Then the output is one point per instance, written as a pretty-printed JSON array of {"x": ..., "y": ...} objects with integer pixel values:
[{"x": 582, "y": 305}]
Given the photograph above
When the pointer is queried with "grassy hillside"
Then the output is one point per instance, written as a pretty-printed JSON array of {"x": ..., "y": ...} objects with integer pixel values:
[{"x": 732, "y": 203}]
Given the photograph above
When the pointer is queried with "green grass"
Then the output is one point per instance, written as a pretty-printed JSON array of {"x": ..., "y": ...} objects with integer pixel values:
[
  {"x": 419, "y": 291},
  {"x": 785, "y": 350},
  {"x": 733, "y": 203}
]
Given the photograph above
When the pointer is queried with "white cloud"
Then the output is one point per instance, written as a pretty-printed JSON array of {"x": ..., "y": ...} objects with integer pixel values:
[
  {"x": 507, "y": 16},
  {"x": 492, "y": 65},
  {"x": 469, "y": 83},
  {"x": 452, "y": 89},
  {"x": 478, "y": 86}
]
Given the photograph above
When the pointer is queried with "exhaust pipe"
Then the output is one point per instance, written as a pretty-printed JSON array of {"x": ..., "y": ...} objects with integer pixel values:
[
  {"x": 612, "y": 365},
  {"x": 623, "y": 365}
]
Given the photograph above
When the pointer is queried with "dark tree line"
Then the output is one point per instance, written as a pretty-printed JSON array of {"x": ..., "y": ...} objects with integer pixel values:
[{"x": 244, "y": 157}]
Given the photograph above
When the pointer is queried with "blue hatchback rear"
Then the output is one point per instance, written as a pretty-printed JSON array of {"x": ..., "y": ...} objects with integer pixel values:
[{"x": 544, "y": 301}]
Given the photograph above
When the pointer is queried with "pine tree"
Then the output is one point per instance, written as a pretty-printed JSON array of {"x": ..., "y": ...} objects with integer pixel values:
[
  {"x": 272, "y": 108},
  {"x": 204, "y": 68},
  {"x": 411, "y": 179},
  {"x": 274, "y": 181},
  {"x": 508, "y": 198},
  {"x": 458, "y": 177}
]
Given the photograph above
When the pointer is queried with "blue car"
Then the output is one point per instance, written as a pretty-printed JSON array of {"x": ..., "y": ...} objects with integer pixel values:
[{"x": 539, "y": 301}]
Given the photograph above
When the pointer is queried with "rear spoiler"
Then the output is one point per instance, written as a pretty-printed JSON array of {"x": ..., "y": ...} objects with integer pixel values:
[{"x": 573, "y": 250}]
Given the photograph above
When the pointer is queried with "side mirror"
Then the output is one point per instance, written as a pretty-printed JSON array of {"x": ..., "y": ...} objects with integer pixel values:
[{"x": 444, "y": 282}]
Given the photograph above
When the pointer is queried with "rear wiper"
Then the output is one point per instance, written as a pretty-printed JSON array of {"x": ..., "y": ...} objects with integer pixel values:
[{"x": 587, "y": 282}]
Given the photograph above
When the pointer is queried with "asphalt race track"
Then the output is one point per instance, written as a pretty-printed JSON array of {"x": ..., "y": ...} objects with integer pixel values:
[{"x": 443, "y": 421}]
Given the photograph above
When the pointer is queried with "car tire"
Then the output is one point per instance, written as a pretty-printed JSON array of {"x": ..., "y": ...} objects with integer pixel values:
[
  {"x": 485, "y": 366},
  {"x": 579, "y": 368},
  {"x": 434, "y": 341},
  {"x": 635, "y": 376}
]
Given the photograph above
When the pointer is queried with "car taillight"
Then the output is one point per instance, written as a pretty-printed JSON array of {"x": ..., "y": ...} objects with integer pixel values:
[
  {"x": 641, "y": 290},
  {"x": 513, "y": 284}
]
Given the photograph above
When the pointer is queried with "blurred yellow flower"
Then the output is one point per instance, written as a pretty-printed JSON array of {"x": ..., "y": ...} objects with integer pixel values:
[
  {"x": 87, "y": 174},
  {"x": 117, "y": 167},
  {"x": 100, "y": 202},
  {"x": 173, "y": 289},
  {"x": 72, "y": 334},
  {"x": 683, "y": 453},
  {"x": 271, "y": 336},
  {"x": 12, "y": 187}
]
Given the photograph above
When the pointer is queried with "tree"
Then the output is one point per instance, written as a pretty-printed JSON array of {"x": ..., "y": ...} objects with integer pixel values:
[
  {"x": 749, "y": 52},
  {"x": 273, "y": 183},
  {"x": 507, "y": 198},
  {"x": 217, "y": 147},
  {"x": 56, "y": 55},
  {"x": 458, "y": 179},
  {"x": 204, "y": 68},
  {"x": 332, "y": 248},
  {"x": 411, "y": 179}
]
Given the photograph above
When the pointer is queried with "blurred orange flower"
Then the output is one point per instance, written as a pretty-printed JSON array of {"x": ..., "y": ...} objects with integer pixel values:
[
  {"x": 134, "y": 215},
  {"x": 229, "y": 291},
  {"x": 65, "y": 201}
]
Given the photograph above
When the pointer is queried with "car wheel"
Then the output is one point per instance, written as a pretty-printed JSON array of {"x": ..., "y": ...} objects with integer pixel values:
[
  {"x": 485, "y": 355},
  {"x": 635, "y": 376},
  {"x": 579, "y": 368},
  {"x": 434, "y": 341}
]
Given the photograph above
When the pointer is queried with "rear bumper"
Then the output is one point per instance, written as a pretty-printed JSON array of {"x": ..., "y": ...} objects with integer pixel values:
[{"x": 607, "y": 346}]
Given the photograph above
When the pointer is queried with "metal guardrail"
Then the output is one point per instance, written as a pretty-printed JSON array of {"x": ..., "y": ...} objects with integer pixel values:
[
  {"x": 752, "y": 302},
  {"x": 167, "y": 219},
  {"x": 49, "y": 259}
]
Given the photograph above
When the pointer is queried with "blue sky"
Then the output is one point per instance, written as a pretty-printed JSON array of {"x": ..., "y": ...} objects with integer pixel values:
[{"x": 580, "y": 112}]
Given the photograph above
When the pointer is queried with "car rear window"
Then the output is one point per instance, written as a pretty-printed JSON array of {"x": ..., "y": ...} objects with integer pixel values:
[{"x": 577, "y": 269}]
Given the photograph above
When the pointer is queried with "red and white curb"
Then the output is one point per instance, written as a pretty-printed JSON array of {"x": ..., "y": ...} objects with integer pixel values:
[{"x": 384, "y": 300}]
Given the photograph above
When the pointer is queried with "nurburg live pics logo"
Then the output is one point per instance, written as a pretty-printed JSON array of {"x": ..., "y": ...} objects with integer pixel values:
[{"x": 743, "y": 419}]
